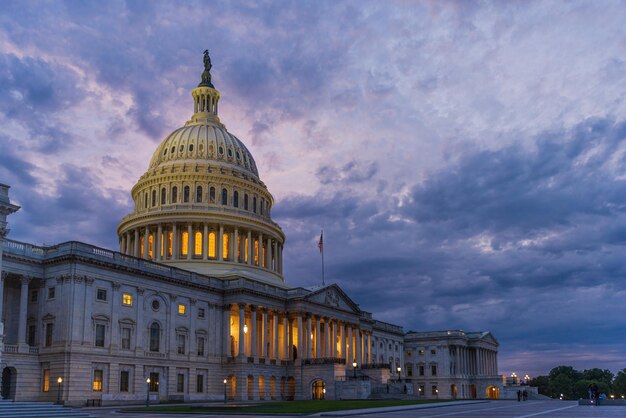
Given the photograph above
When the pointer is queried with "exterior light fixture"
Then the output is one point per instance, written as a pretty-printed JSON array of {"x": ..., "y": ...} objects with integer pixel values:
[
  {"x": 60, "y": 382},
  {"x": 354, "y": 368},
  {"x": 225, "y": 398},
  {"x": 147, "y": 392},
  {"x": 245, "y": 328}
]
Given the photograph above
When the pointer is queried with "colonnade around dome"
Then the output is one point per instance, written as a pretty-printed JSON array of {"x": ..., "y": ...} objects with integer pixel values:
[{"x": 194, "y": 241}]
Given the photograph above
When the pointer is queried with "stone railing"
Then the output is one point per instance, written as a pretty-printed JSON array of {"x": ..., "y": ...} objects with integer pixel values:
[
  {"x": 10, "y": 348},
  {"x": 324, "y": 360},
  {"x": 376, "y": 366}
]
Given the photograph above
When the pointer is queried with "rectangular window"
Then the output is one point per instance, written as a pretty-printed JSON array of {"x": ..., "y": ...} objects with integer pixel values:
[
  {"x": 124, "y": 379},
  {"x": 433, "y": 370},
  {"x": 100, "y": 330},
  {"x": 225, "y": 245},
  {"x": 200, "y": 346},
  {"x": 433, "y": 352},
  {"x": 49, "y": 332},
  {"x": 127, "y": 299},
  {"x": 34, "y": 295},
  {"x": 409, "y": 370},
  {"x": 51, "y": 292},
  {"x": 97, "y": 380},
  {"x": 126, "y": 338},
  {"x": 101, "y": 294},
  {"x": 256, "y": 252},
  {"x": 32, "y": 334},
  {"x": 434, "y": 390},
  {"x": 180, "y": 383},
  {"x": 184, "y": 241},
  {"x": 182, "y": 309},
  {"x": 201, "y": 313},
  {"x": 181, "y": 344},
  {"x": 154, "y": 382},
  {"x": 421, "y": 369},
  {"x": 212, "y": 244},
  {"x": 46, "y": 380},
  {"x": 198, "y": 243},
  {"x": 200, "y": 383},
  {"x": 169, "y": 244}
]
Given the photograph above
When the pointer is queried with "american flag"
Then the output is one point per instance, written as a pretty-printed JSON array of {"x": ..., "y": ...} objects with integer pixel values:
[{"x": 320, "y": 244}]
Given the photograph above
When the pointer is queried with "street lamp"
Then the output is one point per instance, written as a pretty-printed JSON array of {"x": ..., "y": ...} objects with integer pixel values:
[
  {"x": 245, "y": 328},
  {"x": 225, "y": 399},
  {"x": 354, "y": 368},
  {"x": 147, "y": 392},
  {"x": 399, "y": 369},
  {"x": 60, "y": 382}
]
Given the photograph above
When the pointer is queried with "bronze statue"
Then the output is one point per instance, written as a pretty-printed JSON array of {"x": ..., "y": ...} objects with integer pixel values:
[{"x": 206, "y": 74}]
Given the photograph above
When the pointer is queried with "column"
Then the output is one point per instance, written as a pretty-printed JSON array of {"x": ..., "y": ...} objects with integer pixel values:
[
  {"x": 275, "y": 331},
  {"x": 190, "y": 240},
  {"x": 21, "y": 332},
  {"x": 275, "y": 264},
  {"x": 286, "y": 336},
  {"x": 253, "y": 337},
  {"x": 250, "y": 248},
  {"x": 205, "y": 242},
  {"x": 349, "y": 346},
  {"x": 359, "y": 346},
  {"x": 327, "y": 337},
  {"x": 146, "y": 243},
  {"x": 3, "y": 276},
  {"x": 175, "y": 252},
  {"x": 318, "y": 342},
  {"x": 280, "y": 259},
  {"x": 242, "y": 321},
  {"x": 260, "y": 246},
  {"x": 299, "y": 346},
  {"x": 309, "y": 330},
  {"x": 220, "y": 247},
  {"x": 268, "y": 253},
  {"x": 136, "y": 243},
  {"x": 343, "y": 342},
  {"x": 127, "y": 248},
  {"x": 333, "y": 341},
  {"x": 157, "y": 243},
  {"x": 122, "y": 243},
  {"x": 226, "y": 330},
  {"x": 141, "y": 330},
  {"x": 265, "y": 335},
  {"x": 369, "y": 347},
  {"x": 236, "y": 245}
]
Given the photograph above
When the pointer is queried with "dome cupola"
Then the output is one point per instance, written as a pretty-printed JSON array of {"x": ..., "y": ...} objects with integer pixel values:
[{"x": 201, "y": 205}]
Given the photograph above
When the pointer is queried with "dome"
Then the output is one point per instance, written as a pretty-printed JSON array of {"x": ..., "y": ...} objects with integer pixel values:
[
  {"x": 206, "y": 142},
  {"x": 201, "y": 205}
]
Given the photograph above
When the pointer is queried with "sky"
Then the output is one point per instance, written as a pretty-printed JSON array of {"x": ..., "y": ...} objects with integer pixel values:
[{"x": 466, "y": 160}]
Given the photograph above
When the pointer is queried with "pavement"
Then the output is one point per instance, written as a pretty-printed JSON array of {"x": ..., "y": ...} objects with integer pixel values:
[{"x": 465, "y": 409}]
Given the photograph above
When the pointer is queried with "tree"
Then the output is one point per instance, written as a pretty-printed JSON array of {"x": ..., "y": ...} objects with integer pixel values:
[
  {"x": 599, "y": 375},
  {"x": 542, "y": 383},
  {"x": 619, "y": 383}
]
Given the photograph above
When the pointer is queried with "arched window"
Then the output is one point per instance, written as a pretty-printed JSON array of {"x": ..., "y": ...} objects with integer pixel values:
[
  {"x": 224, "y": 197},
  {"x": 199, "y": 194},
  {"x": 155, "y": 337},
  {"x": 184, "y": 241},
  {"x": 236, "y": 199},
  {"x": 163, "y": 196},
  {"x": 145, "y": 200},
  {"x": 212, "y": 194},
  {"x": 225, "y": 246},
  {"x": 254, "y": 204},
  {"x": 186, "y": 194},
  {"x": 212, "y": 244},
  {"x": 262, "y": 204},
  {"x": 245, "y": 201},
  {"x": 174, "y": 194},
  {"x": 256, "y": 252},
  {"x": 154, "y": 198},
  {"x": 198, "y": 243}
]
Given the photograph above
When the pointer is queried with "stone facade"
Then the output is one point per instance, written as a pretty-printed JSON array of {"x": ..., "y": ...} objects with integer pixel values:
[{"x": 194, "y": 305}]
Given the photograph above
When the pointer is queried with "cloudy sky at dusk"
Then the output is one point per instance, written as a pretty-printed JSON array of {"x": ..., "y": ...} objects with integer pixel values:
[{"x": 466, "y": 160}]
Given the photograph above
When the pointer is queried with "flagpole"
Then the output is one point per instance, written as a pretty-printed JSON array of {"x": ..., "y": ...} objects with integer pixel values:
[{"x": 322, "y": 249}]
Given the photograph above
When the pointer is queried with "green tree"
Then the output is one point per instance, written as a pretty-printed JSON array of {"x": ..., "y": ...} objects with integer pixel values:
[
  {"x": 542, "y": 383},
  {"x": 619, "y": 383},
  {"x": 599, "y": 375}
]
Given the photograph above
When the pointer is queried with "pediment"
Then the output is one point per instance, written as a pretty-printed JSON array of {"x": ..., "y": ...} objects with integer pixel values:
[{"x": 333, "y": 297}]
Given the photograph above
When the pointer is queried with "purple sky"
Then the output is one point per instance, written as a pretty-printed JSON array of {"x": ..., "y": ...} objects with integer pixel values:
[{"x": 467, "y": 161}]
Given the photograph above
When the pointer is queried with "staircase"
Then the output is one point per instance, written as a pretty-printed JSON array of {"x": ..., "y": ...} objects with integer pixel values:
[{"x": 38, "y": 409}]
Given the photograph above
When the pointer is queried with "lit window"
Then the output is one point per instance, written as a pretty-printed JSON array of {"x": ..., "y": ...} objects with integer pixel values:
[
  {"x": 162, "y": 244},
  {"x": 238, "y": 249},
  {"x": 212, "y": 244},
  {"x": 169, "y": 244},
  {"x": 127, "y": 299},
  {"x": 46, "y": 380},
  {"x": 198, "y": 244},
  {"x": 150, "y": 246},
  {"x": 263, "y": 255},
  {"x": 185, "y": 243},
  {"x": 182, "y": 309},
  {"x": 141, "y": 245},
  {"x": 256, "y": 252},
  {"x": 246, "y": 251},
  {"x": 97, "y": 380},
  {"x": 225, "y": 246}
]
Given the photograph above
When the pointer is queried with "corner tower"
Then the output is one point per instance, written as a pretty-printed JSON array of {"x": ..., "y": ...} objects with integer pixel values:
[{"x": 201, "y": 205}]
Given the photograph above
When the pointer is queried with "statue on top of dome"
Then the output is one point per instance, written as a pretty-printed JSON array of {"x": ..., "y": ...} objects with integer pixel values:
[{"x": 206, "y": 74}]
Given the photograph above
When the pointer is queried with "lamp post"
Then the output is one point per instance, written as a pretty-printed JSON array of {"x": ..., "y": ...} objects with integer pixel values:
[
  {"x": 225, "y": 398},
  {"x": 399, "y": 369},
  {"x": 147, "y": 392},
  {"x": 354, "y": 368},
  {"x": 60, "y": 382}
]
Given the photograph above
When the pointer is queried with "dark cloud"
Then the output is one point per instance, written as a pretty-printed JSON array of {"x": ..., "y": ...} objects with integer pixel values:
[{"x": 351, "y": 172}]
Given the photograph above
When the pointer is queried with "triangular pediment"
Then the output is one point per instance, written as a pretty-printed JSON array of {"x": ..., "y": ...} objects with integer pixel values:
[{"x": 333, "y": 297}]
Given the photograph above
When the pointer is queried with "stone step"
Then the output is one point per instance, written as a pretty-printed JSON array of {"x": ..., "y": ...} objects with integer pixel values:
[{"x": 38, "y": 409}]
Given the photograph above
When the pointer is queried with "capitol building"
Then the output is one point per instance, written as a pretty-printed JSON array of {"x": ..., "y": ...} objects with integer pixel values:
[{"x": 194, "y": 304}]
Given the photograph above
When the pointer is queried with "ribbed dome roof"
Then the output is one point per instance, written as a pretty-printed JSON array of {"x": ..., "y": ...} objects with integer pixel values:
[{"x": 205, "y": 142}]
